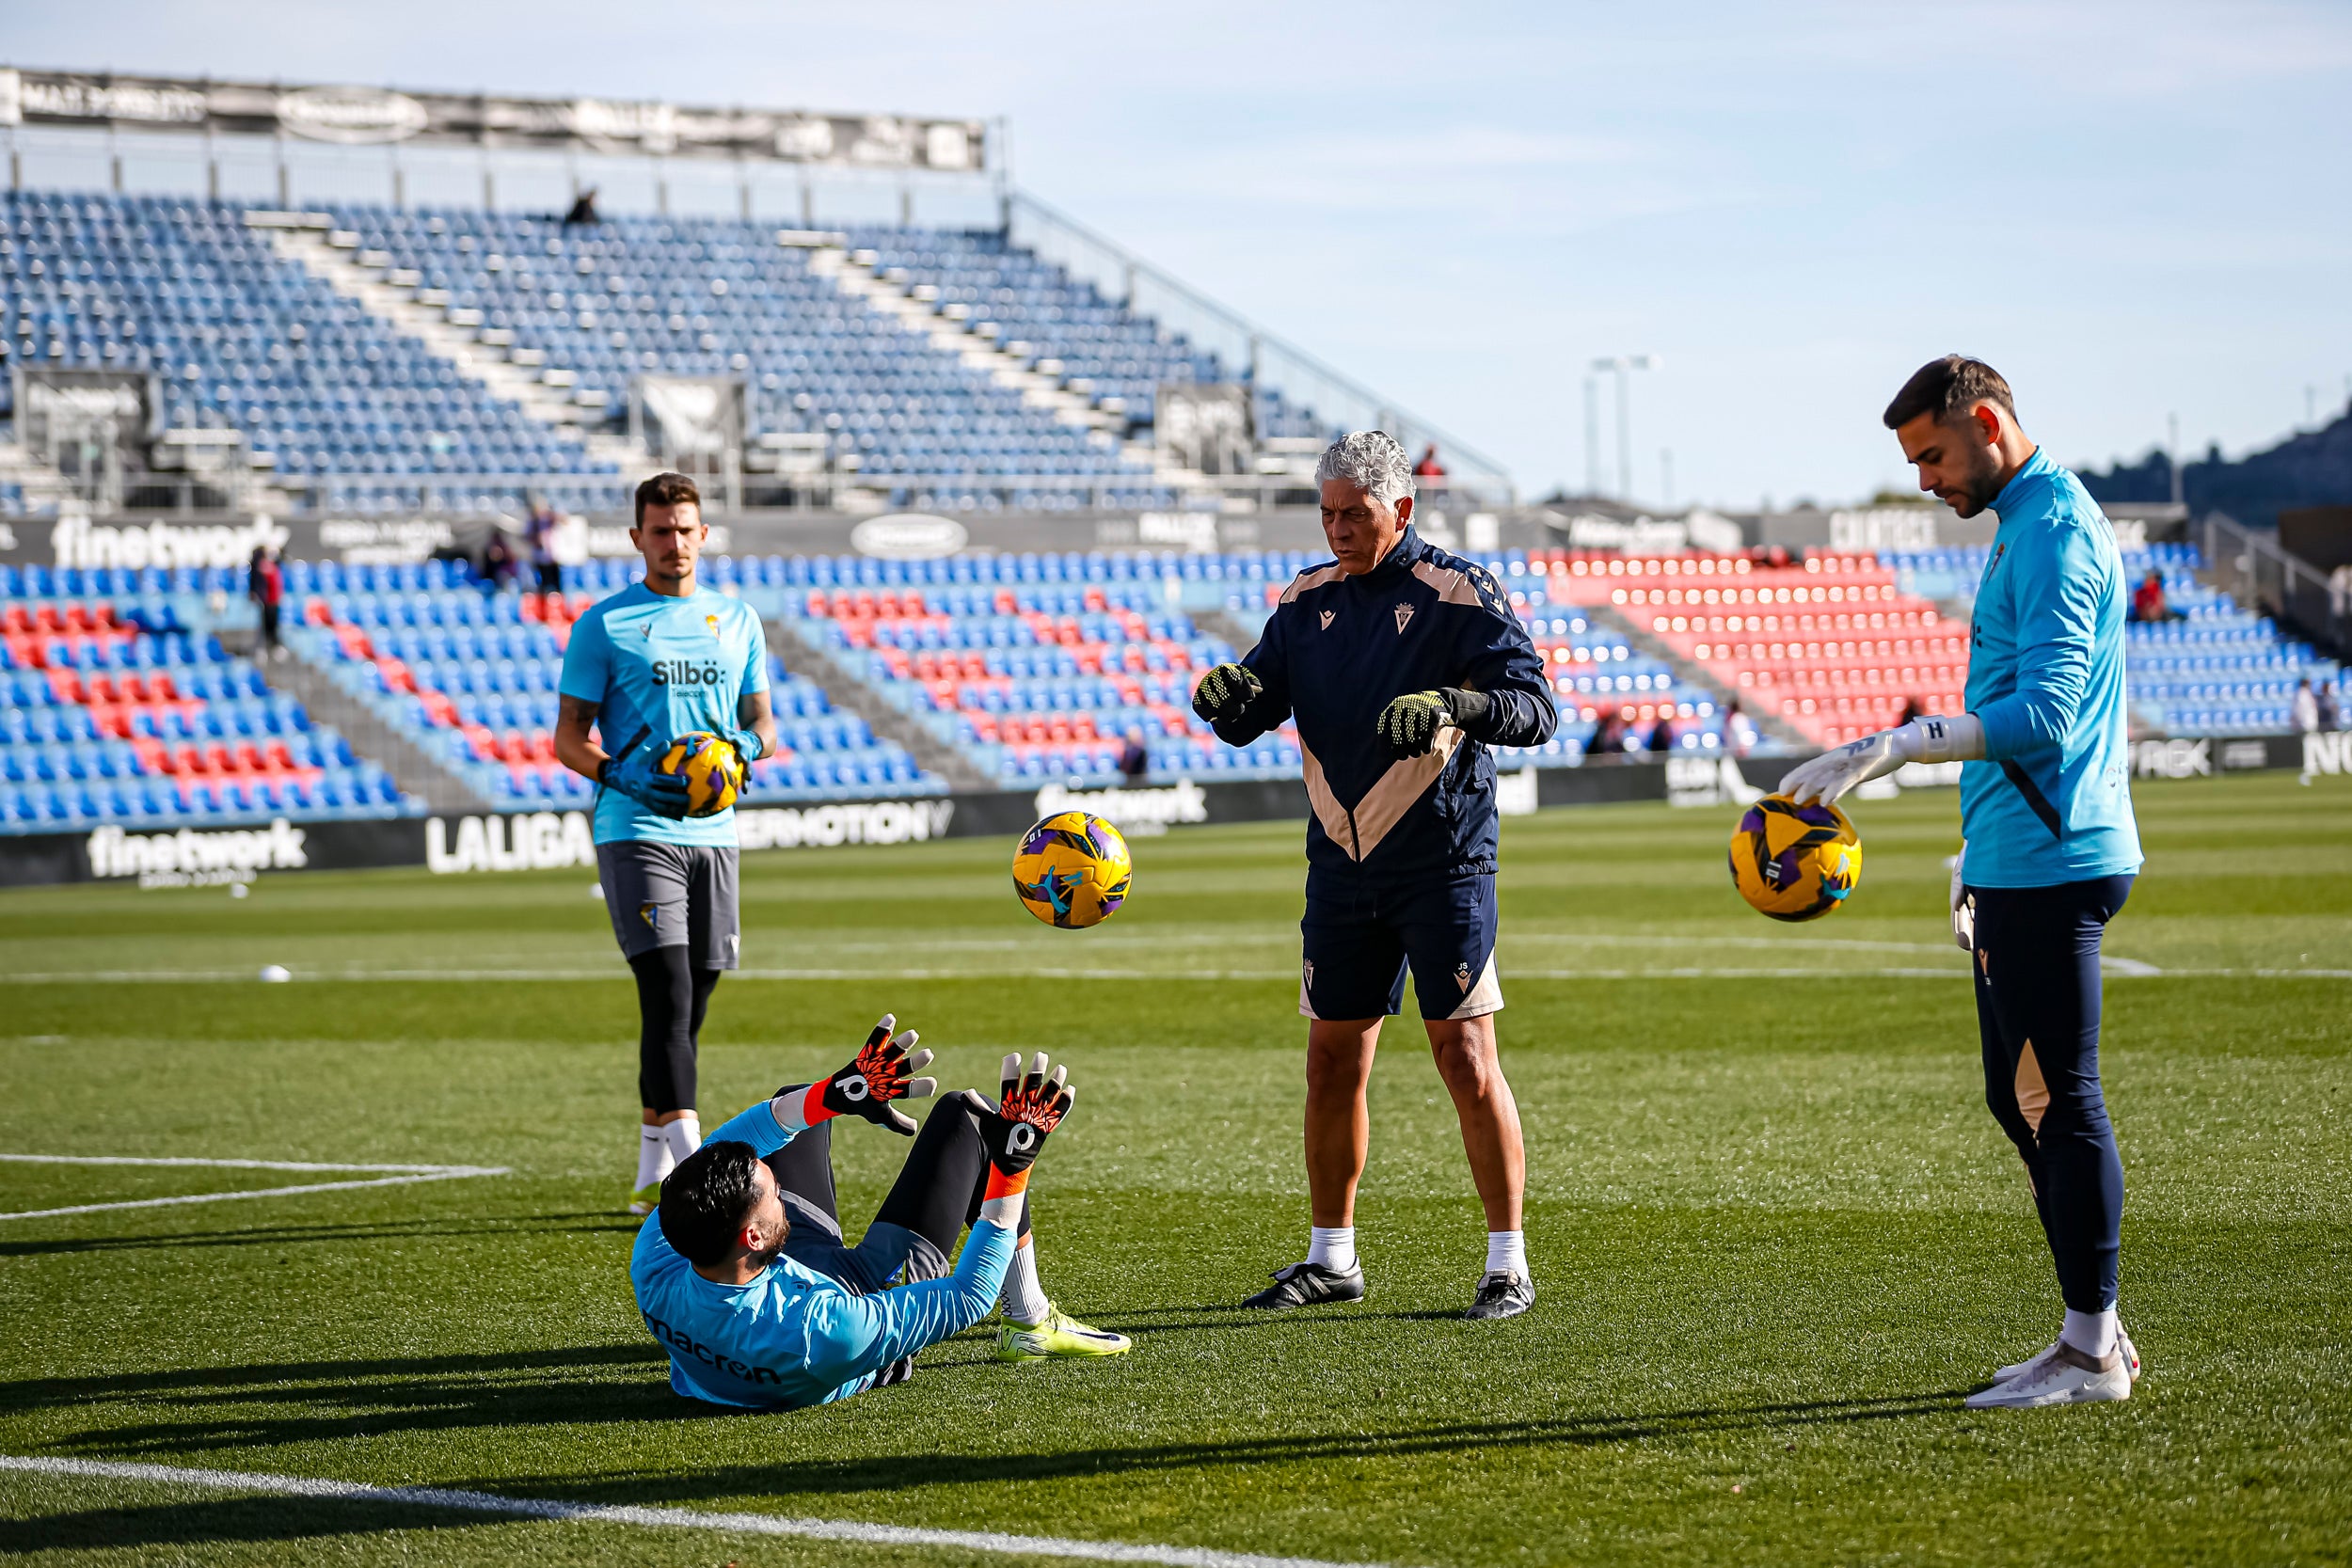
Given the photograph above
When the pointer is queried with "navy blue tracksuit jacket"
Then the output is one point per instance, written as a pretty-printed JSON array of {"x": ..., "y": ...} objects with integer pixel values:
[{"x": 1336, "y": 651}]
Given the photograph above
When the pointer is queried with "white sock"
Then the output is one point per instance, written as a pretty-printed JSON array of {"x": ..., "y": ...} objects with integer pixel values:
[
  {"x": 2091, "y": 1333},
  {"x": 1333, "y": 1248},
  {"x": 1023, "y": 1299},
  {"x": 682, "y": 1136},
  {"x": 653, "y": 1157},
  {"x": 1506, "y": 1253}
]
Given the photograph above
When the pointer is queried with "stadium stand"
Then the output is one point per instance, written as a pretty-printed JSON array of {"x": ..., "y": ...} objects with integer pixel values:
[
  {"x": 1830, "y": 644},
  {"x": 2217, "y": 671},
  {"x": 243, "y": 340},
  {"x": 471, "y": 676},
  {"x": 112, "y": 710}
]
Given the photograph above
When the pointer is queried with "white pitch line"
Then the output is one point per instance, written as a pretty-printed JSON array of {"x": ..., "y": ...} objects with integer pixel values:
[
  {"x": 412, "y": 1174},
  {"x": 858, "y": 1530}
]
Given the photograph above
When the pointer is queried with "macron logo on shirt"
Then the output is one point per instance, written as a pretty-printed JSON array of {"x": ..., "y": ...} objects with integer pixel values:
[{"x": 681, "y": 1342}]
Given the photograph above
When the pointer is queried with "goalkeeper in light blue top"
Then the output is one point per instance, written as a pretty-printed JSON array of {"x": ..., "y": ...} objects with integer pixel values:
[
  {"x": 741, "y": 1277},
  {"x": 2051, "y": 847},
  {"x": 659, "y": 660}
]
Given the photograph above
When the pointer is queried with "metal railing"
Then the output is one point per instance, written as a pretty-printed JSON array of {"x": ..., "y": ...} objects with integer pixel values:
[
  {"x": 2254, "y": 569},
  {"x": 1269, "y": 361},
  {"x": 171, "y": 495}
]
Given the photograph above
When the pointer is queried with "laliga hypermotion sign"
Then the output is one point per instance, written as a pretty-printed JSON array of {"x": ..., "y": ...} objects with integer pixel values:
[{"x": 362, "y": 117}]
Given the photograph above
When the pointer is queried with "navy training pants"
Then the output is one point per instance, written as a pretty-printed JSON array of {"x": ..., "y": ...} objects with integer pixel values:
[{"x": 2037, "y": 952}]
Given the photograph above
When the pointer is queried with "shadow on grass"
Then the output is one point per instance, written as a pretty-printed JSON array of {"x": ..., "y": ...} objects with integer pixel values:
[
  {"x": 221, "y": 1519},
  {"x": 887, "y": 1474},
  {"x": 589, "y": 1223},
  {"x": 274, "y": 1402}
]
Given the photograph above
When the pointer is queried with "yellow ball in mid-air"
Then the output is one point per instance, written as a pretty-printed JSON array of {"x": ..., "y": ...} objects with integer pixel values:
[
  {"x": 1792, "y": 862},
  {"x": 711, "y": 766},
  {"x": 1072, "y": 870}
]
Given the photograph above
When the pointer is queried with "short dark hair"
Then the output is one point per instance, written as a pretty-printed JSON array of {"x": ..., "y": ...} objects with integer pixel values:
[
  {"x": 666, "y": 490},
  {"x": 1947, "y": 387},
  {"x": 706, "y": 1200}
]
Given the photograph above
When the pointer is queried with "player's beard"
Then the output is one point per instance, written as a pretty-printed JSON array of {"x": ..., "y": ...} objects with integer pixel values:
[{"x": 1981, "y": 487}]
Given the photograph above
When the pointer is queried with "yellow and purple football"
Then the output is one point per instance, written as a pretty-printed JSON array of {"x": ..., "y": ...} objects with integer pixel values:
[
  {"x": 1072, "y": 870},
  {"x": 1792, "y": 862},
  {"x": 712, "y": 768}
]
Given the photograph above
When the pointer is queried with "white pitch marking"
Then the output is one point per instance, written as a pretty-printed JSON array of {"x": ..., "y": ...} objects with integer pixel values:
[
  {"x": 2122, "y": 969},
  {"x": 409, "y": 1177},
  {"x": 858, "y": 1530}
]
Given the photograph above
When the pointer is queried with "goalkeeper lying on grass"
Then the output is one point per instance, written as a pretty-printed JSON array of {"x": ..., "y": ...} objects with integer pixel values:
[{"x": 743, "y": 1276}]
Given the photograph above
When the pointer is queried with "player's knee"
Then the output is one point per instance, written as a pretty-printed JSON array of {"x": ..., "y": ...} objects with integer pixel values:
[
  {"x": 1337, "y": 1070},
  {"x": 1467, "y": 1063}
]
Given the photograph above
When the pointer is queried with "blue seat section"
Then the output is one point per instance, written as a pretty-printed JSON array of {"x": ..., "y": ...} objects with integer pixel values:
[
  {"x": 2217, "y": 671},
  {"x": 114, "y": 711},
  {"x": 241, "y": 339},
  {"x": 1060, "y": 327},
  {"x": 470, "y": 674}
]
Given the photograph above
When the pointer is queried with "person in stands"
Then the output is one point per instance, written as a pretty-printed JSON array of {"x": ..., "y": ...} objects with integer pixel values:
[
  {"x": 265, "y": 585},
  {"x": 1429, "y": 467},
  {"x": 1662, "y": 735},
  {"x": 540, "y": 531},
  {"x": 1134, "y": 762},
  {"x": 583, "y": 211},
  {"x": 2148, "y": 600}
]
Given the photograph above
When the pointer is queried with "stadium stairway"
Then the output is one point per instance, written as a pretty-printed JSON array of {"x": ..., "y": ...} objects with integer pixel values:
[
  {"x": 416, "y": 772},
  {"x": 311, "y": 241},
  {"x": 852, "y": 693}
]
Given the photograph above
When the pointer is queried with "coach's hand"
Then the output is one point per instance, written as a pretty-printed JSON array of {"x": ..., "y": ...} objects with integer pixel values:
[
  {"x": 881, "y": 1073},
  {"x": 638, "y": 777},
  {"x": 1409, "y": 725},
  {"x": 1225, "y": 693},
  {"x": 1032, "y": 1105}
]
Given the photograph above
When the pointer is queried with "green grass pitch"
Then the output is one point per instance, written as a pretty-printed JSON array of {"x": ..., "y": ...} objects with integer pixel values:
[{"x": 1777, "y": 1235}]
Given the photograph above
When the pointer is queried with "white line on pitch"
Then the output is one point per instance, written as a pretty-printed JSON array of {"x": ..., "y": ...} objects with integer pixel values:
[
  {"x": 410, "y": 1176},
  {"x": 858, "y": 1530}
]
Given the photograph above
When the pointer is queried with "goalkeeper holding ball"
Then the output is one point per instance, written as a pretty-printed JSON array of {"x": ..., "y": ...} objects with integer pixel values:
[
  {"x": 659, "y": 660},
  {"x": 1402, "y": 664},
  {"x": 2045, "y": 809},
  {"x": 742, "y": 1278}
]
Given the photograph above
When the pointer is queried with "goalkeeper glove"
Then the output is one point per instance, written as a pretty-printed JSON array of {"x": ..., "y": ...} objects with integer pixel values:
[
  {"x": 1031, "y": 1106},
  {"x": 1409, "y": 725},
  {"x": 879, "y": 1074},
  {"x": 747, "y": 744},
  {"x": 1225, "y": 693},
  {"x": 1832, "y": 774},
  {"x": 638, "y": 777},
  {"x": 1963, "y": 908}
]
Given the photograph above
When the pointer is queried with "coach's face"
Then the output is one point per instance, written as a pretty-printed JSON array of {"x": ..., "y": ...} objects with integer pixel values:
[
  {"x": 1959, "y": 459},
  {"x": 671, "y": 539},
  {"x": 1359, "y": 529}
]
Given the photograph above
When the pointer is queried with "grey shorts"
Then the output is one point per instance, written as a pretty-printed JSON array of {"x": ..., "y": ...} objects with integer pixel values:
[{"x": 669, "y": 896}]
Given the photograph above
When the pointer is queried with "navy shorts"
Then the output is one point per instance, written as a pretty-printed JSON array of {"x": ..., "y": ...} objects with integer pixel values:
[{"x": 1359, "y": 945}]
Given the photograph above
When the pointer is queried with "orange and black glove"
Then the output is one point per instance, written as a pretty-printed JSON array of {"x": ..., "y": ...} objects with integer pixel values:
[{"x": 881, "y": 1073}]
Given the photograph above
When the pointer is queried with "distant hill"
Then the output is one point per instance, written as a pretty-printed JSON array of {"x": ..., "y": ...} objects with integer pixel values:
[{"x": 2313, "y": 470}]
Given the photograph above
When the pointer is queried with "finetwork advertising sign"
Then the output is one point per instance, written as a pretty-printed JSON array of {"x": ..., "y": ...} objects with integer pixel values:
[{"x": 190, "y": 858}]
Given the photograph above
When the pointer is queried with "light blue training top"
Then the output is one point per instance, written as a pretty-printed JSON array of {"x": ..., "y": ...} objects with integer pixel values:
[
  {"x": 657, "y": 668},
  {"x": 793, "y": 1336},
  {"x": 2052, "y": 801}
]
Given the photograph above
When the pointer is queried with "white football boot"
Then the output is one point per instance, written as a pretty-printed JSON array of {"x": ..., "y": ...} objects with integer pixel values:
[
  {"x": 2059, "y": 1375},
  {"x": 2122, "y": 1343}
]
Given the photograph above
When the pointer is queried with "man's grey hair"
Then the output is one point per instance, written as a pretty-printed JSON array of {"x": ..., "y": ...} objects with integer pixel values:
[{"x": 1371, "y": 459}]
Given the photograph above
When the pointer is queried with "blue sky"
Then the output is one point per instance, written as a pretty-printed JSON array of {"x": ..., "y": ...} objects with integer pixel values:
[{"x": 2132, "y": 210}]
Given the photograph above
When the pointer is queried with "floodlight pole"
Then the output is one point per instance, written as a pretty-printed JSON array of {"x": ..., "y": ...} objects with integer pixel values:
[
  {"x": 1623, "y": 364},
  {"x": 1592, "y": 434}
]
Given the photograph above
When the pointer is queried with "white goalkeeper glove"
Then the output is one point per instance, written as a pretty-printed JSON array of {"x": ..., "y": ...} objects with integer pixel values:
[
  {"x": 1964, "y": 911},
  {"x": 1958, "y": 739}
]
